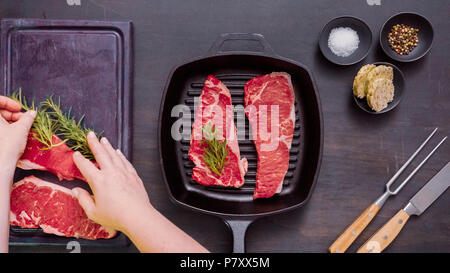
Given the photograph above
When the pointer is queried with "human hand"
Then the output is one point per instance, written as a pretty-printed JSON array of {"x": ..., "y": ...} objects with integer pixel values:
[
  {"x": 119, "y": 194},
  {"x": 14, "y": 128}
]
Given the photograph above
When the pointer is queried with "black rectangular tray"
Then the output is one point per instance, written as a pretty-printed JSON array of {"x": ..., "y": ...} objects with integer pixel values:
[{"x": 86, "y": 63}]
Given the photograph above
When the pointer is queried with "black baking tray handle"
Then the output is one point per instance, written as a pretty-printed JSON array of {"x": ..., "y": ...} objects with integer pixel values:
[
  {"x": 238, "y": 229},
  {"x": 241, "y": 43}
]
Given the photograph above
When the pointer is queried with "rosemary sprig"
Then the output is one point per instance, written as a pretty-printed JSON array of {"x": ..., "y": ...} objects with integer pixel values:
[
  {"x": 216, "y": 152},
  {"x": 73, "y": 131},
  {"x": 43, "y": 125},
  {"x": 50, "y": 120}
]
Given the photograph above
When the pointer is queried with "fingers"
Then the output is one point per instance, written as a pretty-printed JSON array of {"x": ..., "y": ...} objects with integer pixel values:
[
  {"x": 86, "y": 202},
  {"x": 10, "y": 116},
  {"x": 129, "y": 167},
  {"x": 87, "y": 169},
  {"x": 101, "y": 155},
  {"x": 9, "y": 104},
  {"x": 112, "y": 153},
  {"x": 25, "y": 121},
  {"x": 2, "y": 120}
]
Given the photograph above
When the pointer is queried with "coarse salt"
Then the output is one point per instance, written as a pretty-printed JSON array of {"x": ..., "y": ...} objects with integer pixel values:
[{"x": 343, "y": 41}]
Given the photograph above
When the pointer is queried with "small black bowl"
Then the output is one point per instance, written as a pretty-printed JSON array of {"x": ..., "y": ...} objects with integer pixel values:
[
  {"x": 364, "y": 34},
  {"x": 399, "y": 85},
  {"x": 414, "y": 20}
]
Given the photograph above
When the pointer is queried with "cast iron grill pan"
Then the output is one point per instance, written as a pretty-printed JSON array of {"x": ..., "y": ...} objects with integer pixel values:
[{"x": 234, "y": 59}]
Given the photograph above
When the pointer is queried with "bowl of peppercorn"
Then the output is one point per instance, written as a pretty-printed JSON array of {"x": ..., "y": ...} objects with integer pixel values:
[{"x": 406, "y": 37}]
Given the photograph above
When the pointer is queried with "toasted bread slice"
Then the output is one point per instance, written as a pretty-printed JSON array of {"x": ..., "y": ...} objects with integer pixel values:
[
  {"x": 359, "y": 83},
  {"x": 381, "y": 71},
  {"x": 380, "y": 93}
]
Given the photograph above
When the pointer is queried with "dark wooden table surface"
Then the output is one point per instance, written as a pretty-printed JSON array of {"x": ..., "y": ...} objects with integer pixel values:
[{"x": 361, "y": 151}]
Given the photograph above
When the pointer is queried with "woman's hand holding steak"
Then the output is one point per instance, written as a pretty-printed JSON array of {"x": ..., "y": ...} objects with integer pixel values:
[
  {"x": 14, "y": 128},
  {"x": 119, "y": 194},
  {"x": 121, "y": 202}
]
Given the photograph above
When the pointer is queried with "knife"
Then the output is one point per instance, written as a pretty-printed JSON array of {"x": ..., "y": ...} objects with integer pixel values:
[
  {"x": 416, "y": 206},
  {"x": 356, "y": 228}
]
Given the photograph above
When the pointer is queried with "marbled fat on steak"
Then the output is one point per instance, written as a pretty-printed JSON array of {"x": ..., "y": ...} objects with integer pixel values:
[
  {"x": 272, "y": 146},
  {"x": 38, "y": 203},
  {"x": 215, "y": 108},
  {"x": 57, "y": 160}
]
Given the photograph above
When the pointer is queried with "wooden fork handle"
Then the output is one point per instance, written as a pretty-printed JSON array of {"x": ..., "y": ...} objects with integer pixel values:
[
  {"x": 385, "y": 235},
  {"x": 354, "y": 230}
]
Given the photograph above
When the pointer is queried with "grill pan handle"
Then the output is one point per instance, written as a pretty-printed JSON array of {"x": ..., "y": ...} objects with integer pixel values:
[
  {"x": 241, "y": 43},
  {"x": 238, "y": 229}
]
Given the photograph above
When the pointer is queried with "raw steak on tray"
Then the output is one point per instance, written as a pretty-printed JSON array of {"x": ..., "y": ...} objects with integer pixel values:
[
  {"x": 38, "y": 203},
  {"x": 57, "y": 160}
]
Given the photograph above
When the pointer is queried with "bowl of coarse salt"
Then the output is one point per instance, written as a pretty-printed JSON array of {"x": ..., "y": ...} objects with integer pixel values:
[{"x": 345, "y": 40}]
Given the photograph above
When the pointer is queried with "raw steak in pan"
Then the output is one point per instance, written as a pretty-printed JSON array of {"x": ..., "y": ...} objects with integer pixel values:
[
  {"x": 57, "y": 160},
  {"x": 273, "y": 142},
  {"x": 215, "y": 109},
  {"x": 37, "y": 203}
]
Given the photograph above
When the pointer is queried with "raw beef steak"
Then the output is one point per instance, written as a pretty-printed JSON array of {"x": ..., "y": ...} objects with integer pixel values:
[
  {"x": 37, "y": 203},
  {"x": 57, "y": 160},
  {"x": 215, "y": 110},
  {"x": 273, "y": 142}
]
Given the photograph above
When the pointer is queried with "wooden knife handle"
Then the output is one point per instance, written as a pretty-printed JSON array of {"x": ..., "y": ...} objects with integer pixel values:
[
  {"x": 352, "y": 232},
  {"x": 385, "y": 235}
]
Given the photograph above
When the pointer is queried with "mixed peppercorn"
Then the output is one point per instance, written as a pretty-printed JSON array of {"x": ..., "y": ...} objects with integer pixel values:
[{"x": 403, "y": 39}]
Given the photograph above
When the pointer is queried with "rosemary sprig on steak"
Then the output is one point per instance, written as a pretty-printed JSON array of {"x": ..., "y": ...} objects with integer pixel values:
[
  {"x": 50, "y": 120},
  {"x": 216, "y": 151},
  {"x": 73, "y": 131},
  {"x": 43, "y": 126}
]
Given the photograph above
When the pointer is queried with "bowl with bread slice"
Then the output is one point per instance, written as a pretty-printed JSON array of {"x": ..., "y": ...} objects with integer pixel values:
[{"x": 378, "y": 87}]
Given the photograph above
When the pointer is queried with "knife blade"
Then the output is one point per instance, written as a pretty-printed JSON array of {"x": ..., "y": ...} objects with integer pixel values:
[
  {"x": 430, "y": 192},
  {"x": 416, "y": 206}
]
